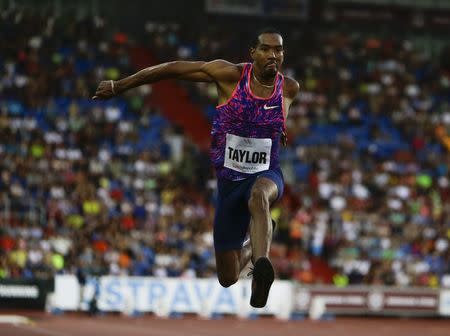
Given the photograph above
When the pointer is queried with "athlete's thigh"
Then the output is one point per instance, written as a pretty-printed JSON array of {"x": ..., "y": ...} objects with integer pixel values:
[
  {"x": 231, "y": 217},
  {"x": 270, "y": 182},
  {"x": 228, "y": 262},
  {"x": 266, "y": 186}
]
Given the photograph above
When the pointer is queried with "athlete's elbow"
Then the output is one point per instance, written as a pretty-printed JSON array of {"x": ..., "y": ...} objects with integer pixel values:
[
  {"x": 171, "y": 69},
  {"x": 163, "y": 71}
]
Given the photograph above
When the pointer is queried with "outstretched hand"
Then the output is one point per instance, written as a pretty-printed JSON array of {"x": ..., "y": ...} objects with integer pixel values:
[{"x": 105, "y": 90}]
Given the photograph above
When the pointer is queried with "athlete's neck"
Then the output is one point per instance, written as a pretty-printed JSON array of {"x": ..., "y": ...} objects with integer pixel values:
[{"x": 265, "y": 82}]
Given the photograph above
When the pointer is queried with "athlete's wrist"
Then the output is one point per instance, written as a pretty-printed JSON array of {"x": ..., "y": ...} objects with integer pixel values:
[{"x": 118, "y": 87}]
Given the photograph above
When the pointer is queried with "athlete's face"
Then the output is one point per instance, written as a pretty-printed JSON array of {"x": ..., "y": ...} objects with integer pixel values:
[{"x": 268, "y": 55}]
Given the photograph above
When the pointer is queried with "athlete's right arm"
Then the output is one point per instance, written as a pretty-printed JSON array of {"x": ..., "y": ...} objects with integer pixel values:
[{"x": 217, "y": 70}]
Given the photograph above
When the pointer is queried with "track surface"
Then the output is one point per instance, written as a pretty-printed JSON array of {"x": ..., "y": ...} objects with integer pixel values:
[{"x": 77, "y": 325}]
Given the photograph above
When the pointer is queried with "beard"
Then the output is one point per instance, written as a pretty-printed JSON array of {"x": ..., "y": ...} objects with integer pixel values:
[{"x": 270, "y": 70}]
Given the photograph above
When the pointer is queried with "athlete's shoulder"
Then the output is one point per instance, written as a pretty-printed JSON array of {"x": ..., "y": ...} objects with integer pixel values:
[
  {"x": 220, "y": 69},
  {"x": 291, "y": 87}
]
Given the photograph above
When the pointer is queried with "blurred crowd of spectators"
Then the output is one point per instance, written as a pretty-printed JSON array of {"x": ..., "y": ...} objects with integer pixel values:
[
  {"x": 106, "y": 187},
  {"x": 91, "y": 187}
]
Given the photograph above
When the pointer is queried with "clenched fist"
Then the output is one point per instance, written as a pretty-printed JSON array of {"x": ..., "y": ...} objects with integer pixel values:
[{"x": 105, "y": 90}]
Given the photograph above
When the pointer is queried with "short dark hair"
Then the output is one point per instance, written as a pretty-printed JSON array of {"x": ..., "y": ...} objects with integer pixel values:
[{"x": 267, "y": 30}]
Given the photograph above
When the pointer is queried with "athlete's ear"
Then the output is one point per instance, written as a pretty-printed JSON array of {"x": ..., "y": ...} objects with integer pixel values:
[{"x": 252, "y": 53}]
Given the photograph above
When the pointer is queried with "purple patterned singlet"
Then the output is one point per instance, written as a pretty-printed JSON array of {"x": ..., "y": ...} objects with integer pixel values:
[{"x": 246, "y": 130}]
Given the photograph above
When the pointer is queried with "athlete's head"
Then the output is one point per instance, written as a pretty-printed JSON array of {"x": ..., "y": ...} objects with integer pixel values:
[{"x": 267, "y": 52}]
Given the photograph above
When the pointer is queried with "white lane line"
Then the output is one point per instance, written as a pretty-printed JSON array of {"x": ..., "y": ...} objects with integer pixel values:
[{"x": 14, "y": 319}]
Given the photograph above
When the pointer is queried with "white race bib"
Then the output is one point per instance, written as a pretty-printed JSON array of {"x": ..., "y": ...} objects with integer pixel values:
[{"x": 247, "y": 155}]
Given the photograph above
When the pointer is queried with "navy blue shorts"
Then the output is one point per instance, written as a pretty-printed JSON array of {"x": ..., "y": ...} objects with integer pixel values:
[{"x": 232, "y": 215}]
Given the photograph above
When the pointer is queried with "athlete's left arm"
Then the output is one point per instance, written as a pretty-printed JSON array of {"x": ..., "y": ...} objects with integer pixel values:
[
  {"x": 197, "y": 76},
  {"x": 290, "y": 90}
]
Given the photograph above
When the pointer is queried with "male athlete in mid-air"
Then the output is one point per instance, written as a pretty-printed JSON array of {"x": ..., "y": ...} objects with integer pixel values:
[{"x": 246, "y": 132}]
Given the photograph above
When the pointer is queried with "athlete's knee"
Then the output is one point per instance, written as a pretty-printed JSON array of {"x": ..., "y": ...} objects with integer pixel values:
[
  {"x": 226, "y": 280},
  {"x": 259, "y": 200}
]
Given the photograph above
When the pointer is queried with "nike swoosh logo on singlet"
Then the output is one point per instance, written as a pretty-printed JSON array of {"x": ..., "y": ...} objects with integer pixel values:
[{"x": 269, "y": 107}]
